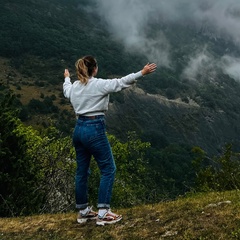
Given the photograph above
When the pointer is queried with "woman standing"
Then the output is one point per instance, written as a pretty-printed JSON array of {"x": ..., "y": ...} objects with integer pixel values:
[{"x": 89, "y": 97}]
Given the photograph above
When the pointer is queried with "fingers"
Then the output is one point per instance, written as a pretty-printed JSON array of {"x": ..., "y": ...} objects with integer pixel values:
[
  {"x": 151, "y": 67},
  {"x": 66, "y": 73}
]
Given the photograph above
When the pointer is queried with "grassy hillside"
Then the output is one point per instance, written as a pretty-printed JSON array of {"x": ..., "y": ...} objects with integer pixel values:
[
  {"x": 202, "y": 216},
  {"x": 41, "y": 38}
]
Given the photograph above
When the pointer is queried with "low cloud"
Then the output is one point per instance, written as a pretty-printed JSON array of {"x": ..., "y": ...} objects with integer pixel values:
[
  {"x": 198, "y": 64},
  {"x": 138, "y": 24},
  {"x": 128, "y": 22},
  {"x": 231, "y": 66},
  {"x": 202, "y": 62}
]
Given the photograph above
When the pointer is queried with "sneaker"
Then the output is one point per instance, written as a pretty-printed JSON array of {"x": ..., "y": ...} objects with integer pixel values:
[
  {"x": 90, "y": 215},
  {"x": 108, "y": 218}
]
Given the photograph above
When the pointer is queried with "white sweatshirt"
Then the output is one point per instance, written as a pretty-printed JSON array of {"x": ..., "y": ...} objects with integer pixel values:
[{"x": 93, "y": 98}]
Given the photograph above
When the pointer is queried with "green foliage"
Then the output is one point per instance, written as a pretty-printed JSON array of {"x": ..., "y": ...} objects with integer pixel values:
[
  {"x": 44, "y": 107},
  {"x": 173, "y": 164},
  {"x": 134, "y": 178},
  {"x": 219, "y": 173},
  {"x": 57, "y": 158},
  {"x": 133, "y": 183},
  {"x": 39, "y": 36},
  {"x": 35, "y": 171},
  {"x": 45, "y": 32},
  {"x": 19, "y": 174}
]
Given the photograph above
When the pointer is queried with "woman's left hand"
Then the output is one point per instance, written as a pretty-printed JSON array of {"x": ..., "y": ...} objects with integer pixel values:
[
  {"x": 66, "y": 73},
  {"x": 149, "y": 68}
]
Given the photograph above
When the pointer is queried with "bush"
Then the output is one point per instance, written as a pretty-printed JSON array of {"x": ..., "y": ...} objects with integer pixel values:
[
  {"x": 19, "y": 173},
  {"x": 219, "y": 173},
  {"x": 134, "y": 180}
]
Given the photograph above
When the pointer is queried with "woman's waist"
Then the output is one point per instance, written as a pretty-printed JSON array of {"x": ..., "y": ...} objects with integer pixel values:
[{"x": 91, "y": 116}]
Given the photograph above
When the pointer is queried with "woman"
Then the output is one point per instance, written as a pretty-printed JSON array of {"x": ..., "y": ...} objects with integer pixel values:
[{"x": 89, "y": 97}]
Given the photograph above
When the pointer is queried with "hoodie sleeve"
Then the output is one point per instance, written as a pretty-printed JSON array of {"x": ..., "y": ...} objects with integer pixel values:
[
  {"x": 67, "y": 87},
  {"x": 117, "y": 84}
]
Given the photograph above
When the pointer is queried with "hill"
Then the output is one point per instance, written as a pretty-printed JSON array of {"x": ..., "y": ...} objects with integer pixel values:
[
  {"x": 191, "y": 100},
  {"x": 202, "y": 216},
  {"x": 41, "y": 38},
  {"x": 162, "y": 121}
]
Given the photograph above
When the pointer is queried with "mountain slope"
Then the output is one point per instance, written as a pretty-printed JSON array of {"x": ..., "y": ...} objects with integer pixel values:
[
  {"x": 173, "y": 121},
  {"x": 41, "y": 38}
]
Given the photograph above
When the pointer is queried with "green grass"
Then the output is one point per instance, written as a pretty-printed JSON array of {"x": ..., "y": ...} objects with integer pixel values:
[{"x": 199, "y": 216}]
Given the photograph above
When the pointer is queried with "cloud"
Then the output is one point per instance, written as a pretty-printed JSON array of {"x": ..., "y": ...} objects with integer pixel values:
[
  {"x": 231, "y": 66},
  {"x": 223, "y": 16},
  {"x": 204, "y": 63},
  {"x": 130, "y": 21},
  {"x": 198, "y": 64}
]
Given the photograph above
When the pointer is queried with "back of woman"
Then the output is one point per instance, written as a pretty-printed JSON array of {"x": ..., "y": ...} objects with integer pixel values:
[{"x": 89, "y": 97}]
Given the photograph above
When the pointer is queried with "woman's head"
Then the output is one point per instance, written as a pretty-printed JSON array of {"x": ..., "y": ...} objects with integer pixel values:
[{"x": 86, "y": 67}]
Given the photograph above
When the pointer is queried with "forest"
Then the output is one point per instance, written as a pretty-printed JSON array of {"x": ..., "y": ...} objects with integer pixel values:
[
  {"x": 38, "y": 169},
  {"x": 198, "y": 151}
]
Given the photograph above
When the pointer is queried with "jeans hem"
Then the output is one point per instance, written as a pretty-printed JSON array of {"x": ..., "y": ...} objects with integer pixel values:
[
  {"x": 103, "y": 205},
  {"x": 81, "y": 206}
]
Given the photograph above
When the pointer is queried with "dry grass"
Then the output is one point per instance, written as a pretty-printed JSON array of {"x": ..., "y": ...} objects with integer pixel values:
[
  {"x": 204, "y": 216},
  {"x": 28, "y": 90},
  {"x": 13, "y": 78}
]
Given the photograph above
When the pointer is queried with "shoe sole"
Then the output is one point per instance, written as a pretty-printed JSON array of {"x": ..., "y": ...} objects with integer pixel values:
[
  {"x": 84, "y": 220},
  {"x": 102, "y": 222}
]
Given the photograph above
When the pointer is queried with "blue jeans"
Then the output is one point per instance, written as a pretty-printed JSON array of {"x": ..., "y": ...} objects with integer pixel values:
[{"x": 89, "y": 139}]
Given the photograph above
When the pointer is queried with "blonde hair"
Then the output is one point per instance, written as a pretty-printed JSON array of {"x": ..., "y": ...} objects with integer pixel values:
[{"x": 85, "y": 67}]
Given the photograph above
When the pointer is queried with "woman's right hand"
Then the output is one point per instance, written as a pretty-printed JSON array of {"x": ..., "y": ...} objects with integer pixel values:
[
  {"x": 66, "y": 73},
  {"x": 149, "y": 68}
]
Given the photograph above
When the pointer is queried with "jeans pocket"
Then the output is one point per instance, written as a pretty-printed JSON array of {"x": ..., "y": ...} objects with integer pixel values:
[{"x": 95, "y": 130}]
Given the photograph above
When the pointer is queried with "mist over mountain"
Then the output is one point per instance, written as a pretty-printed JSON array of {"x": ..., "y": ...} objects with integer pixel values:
[
  {"x": 142, "y": 27},
  {"x": 196, "y": 46},
  {"x": 193, "y": 98}
]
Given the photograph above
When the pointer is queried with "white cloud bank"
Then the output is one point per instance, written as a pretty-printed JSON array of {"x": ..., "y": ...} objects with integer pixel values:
[
  {"x": 231, "y": 66},
  {"x": 128, "y": 21}
]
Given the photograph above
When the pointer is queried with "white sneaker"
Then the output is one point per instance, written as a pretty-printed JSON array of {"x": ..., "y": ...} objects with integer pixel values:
[
  {"x": 108, "y": 218},
  {"x": 89, "y": 215}
]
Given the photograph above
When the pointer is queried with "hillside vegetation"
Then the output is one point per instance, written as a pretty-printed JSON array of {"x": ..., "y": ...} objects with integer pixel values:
[
  {"x": 208, "y": 216},
  {"x": 41, "y": 38},
  {"x": 170, "y": 133}
]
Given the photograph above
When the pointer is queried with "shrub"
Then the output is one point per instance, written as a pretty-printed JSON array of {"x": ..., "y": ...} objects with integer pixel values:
[{"x": 219, "y": 173}]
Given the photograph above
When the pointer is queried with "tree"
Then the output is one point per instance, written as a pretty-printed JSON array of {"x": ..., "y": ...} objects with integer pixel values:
[
  {"x": 220, "y": 173},
  {"x": 18, "y": 173},
  {"x": 174, "y": 167},
  {"x": 134, "y": 179},
  {"x": 36, "y": 171}
]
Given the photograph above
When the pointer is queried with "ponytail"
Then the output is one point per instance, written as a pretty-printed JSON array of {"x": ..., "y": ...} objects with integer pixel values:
[
  {"x": 82, "y": 71},
  {"x": 85, "y": 67}
]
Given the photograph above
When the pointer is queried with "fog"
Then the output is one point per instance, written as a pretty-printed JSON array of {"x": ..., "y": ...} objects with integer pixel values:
[
  {"x": 198, "y": 63},
  {"x": 129, "y": 21},
  {"x": 231, "y": 66}
]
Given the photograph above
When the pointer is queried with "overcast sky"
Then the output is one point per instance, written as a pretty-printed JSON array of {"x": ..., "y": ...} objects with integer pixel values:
[{"x": 128, "y": 21}]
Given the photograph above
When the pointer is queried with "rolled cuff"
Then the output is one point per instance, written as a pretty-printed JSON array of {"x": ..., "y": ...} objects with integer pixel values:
[
  {"x": 81, "y": 206},
  {"x": 67, "y": 79},
  {"x": 138, "y": 74},
  {"x": 103, "y": 205}
]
